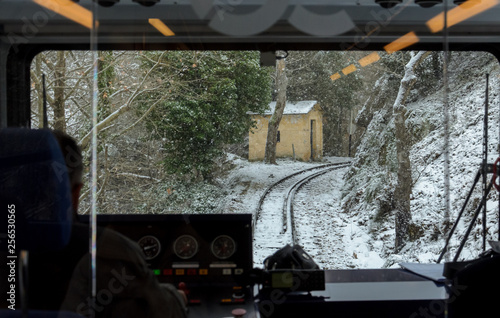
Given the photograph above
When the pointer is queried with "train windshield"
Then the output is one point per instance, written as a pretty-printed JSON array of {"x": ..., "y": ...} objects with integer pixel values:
[{"x": 189, "y": 132}]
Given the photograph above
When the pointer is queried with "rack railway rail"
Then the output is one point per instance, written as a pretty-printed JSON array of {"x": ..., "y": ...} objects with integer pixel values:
[{"x": 273, "y": 224}]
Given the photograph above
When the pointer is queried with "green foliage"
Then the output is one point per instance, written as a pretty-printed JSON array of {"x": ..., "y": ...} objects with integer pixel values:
[
  {"x": 209, "y": 95},
  {"x": 429, "y": 74},
  {"x": 309, "y": 79}
]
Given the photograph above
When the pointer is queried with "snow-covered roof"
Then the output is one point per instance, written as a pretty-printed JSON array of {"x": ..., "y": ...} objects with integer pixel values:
[{"x": 292, "y": 108}]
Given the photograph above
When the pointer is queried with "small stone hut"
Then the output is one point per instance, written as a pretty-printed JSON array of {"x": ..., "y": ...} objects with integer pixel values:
[{"x": 300, "y": 133}]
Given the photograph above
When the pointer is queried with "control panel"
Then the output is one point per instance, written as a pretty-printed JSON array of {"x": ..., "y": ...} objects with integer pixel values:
[
  {"x": 290, "y": 280},
  {"x": 209, "y": 257}
]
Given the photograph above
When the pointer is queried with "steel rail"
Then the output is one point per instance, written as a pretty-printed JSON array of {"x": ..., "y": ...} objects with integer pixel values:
[
  {"x": 288, "y": 202},
  {"x": 279, "y": 182},
  {"x": 270, "y": 228}
]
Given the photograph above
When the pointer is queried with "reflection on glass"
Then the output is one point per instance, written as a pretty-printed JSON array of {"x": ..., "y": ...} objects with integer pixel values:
[
  {"x": 465, "y": 11},
  {"x": 405, "y": 41},
  {"x": 160, "y": 26},
  {"x": 349, "y": 69},
  {"x": 369, "y": 59},
  {"x": 70, "y": 10},
  {"x": 335, "y": 76}
]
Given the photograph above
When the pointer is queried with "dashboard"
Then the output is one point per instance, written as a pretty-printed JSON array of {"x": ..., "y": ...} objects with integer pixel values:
[
  {"x": 190, "y": 248},
  {"x": 207, "y": 256}
]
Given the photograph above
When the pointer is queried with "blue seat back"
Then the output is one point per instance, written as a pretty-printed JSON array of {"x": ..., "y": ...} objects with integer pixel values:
[{"x": 35, "y": 198}]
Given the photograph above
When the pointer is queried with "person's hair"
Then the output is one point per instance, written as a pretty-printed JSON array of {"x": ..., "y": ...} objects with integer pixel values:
[{"x": 72, "y": 156}]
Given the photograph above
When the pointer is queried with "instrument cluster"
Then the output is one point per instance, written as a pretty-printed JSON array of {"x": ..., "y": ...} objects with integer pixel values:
[{"x": 186, "y": 248}]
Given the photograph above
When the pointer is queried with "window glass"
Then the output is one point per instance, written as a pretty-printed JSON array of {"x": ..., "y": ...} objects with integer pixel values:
[{"x": 185, "y": 132}]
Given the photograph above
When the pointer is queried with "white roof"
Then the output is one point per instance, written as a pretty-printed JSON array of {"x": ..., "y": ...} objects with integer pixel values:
[{"x": 292, "y": 108}]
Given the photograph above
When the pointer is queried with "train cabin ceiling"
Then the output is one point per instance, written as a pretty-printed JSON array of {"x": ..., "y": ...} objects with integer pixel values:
[{"x": 246, "y": 24}]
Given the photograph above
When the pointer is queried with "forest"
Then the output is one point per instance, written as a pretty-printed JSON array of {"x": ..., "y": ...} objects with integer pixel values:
[{"x": 168, "y": 117}]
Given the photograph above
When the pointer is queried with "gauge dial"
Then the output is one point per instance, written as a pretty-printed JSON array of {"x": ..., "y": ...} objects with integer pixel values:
[
  {"x": 185, "y": 246},
  {"x": 223, "y": 247},
  {"x": 150, "y": 246}
]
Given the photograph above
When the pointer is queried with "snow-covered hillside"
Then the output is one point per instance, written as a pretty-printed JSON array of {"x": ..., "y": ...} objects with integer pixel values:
[
  {"x": 352, "y": 225},
  {"x": 466, "y": 100},
  {"x": 426, "y": 121}
]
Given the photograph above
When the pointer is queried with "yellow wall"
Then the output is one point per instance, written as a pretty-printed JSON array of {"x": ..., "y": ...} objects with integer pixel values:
[{"x": 294, "y": 130}]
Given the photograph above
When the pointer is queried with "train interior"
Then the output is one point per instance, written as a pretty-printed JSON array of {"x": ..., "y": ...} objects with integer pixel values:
[{"x": 384, "y": 200}]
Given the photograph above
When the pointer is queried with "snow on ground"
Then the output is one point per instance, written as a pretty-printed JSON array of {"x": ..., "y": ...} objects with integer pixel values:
[
  {"x": 334, "y": 239},
  {"x": 248, "y": 180}
]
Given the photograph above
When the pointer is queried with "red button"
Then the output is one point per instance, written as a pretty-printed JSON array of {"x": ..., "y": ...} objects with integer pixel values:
[
  {"x": 194, "y": 301},
  {"x": 167, "y": 272}
]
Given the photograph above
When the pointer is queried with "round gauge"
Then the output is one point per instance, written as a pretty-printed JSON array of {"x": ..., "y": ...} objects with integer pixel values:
[
  {"x": 150, "y": 246},
  {"x": 185, "y": 246},
  {"x": 223, "y": 247}
]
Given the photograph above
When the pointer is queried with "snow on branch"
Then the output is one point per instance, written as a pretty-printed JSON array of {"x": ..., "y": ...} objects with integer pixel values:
[{"x": 128, "y": 174}]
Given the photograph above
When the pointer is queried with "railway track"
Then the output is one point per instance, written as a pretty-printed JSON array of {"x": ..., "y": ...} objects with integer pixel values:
[{"x": 274, "y": 225}]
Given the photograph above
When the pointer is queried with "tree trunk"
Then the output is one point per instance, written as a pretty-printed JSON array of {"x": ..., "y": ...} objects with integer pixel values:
[
  {"x": 39, "y": 89},
  {"x": 59, "y": 84},
  {"x": 105, "y": 83},
  {"x": 401, "y": 198},
  {"x": 274, "y": 122},
  {"x": 340, "y": 136}
]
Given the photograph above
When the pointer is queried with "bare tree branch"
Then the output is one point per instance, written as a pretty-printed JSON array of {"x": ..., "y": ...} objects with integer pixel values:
[{"x": 122, "y": 109}]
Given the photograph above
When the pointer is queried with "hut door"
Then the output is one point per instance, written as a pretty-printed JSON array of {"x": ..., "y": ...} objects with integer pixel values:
[{"x": 313, "y": 140}]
